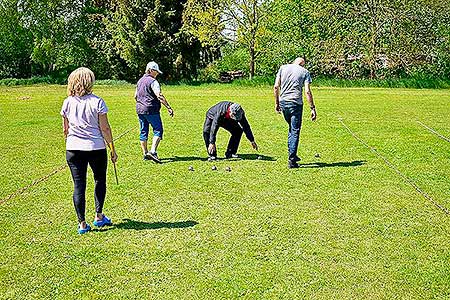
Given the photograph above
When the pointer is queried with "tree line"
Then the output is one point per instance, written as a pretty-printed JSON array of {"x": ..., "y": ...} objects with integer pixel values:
[{"x": 193, "y": 39}]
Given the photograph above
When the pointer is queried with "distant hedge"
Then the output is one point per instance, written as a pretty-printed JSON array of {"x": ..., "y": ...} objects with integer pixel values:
[
  {"x": 52, "y": 80},
  {"x": 415, "y": 83}
]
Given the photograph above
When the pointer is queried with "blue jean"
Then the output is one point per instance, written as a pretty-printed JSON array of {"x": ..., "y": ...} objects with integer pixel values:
[
  {"x": 292, "y": 113},
  {"x": 155, "y": 121}
]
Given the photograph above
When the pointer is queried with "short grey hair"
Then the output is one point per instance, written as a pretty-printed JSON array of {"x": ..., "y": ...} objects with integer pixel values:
[
  {"x": 237, "y": 111},
  {"x": 299, "y": 61}
]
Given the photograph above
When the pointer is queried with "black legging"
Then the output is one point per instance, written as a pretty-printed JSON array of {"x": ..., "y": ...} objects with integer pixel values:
[{"x": 78, "y": 162}]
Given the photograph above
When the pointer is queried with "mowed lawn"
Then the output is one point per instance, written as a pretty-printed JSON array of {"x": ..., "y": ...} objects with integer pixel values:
[{"x": 343, "y": 226}]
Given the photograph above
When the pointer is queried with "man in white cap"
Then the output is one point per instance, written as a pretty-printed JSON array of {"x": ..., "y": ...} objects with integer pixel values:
[
  {"x": 289, "y": 100},
  {"x": 148, "y": 105},
  {"x": 231, "y": 117}
]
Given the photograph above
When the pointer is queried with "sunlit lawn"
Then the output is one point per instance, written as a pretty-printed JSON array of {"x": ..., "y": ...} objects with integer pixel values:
[{"x": 344, "y": 226}]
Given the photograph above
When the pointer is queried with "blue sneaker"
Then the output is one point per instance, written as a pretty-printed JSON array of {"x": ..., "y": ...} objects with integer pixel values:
[
  {"x": 103, "y": 222},
  {"x": 83, "y": 230}
]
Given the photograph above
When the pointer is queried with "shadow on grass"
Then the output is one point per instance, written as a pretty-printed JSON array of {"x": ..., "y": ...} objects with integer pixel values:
[
  {"x": 139, "y": 225},
  {"x": 241, "y": 157},
  {"x": 256, "y": 157},
  {"x": 354, "y": 163},
  {"x": 182, "y": 158}
]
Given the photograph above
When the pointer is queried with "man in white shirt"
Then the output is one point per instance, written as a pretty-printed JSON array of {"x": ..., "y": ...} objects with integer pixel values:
[{"x": 288, "y": 89}]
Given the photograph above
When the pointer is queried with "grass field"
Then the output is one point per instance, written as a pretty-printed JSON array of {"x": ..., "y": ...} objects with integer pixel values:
[{"x": 343, "y": 226}]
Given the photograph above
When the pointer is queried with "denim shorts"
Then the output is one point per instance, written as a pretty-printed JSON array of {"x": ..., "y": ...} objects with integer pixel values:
[{"x": 155, "y": 121}]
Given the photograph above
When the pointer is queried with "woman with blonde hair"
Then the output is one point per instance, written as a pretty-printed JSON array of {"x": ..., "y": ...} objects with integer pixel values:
[{"x": 86, "y": 129}]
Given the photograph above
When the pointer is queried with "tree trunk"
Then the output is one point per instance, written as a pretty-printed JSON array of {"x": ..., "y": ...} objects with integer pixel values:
[{"x": 252, "y": 62}]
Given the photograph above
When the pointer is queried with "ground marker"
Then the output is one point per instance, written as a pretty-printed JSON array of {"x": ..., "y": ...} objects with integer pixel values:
[
  {"x": 44, "y": 178},
  {"x": 434, "y": 131},
  {"x": 387, "y": 162}
]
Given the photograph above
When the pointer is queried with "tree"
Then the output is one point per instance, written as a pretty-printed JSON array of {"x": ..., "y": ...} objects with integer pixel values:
[
  {"x": 139, "y": 31},
  {"x": 15, "y": 42},
  {"x": 236, "y": 21}
]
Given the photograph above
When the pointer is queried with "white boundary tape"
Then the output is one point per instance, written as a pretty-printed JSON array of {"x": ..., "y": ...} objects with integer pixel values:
[
  {"x": 434, "y": 131},
  {"x": 44, "y": 178},
  {"x": 389, "y": 164}
]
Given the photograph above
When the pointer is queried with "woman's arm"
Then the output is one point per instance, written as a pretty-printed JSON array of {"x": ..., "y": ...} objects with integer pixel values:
[
  {"x": 107, "y": 135},
  {"x": 65, "y": 127}
]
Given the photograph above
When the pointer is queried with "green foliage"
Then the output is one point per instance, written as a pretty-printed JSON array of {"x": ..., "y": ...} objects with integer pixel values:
[
  {"x": 203, "y": 20},
  {"x": 411, "y": 82},
  {"x": 111, "y": 82},
  {"x": 141, "y": 31},
  {"x": 234, "y": 59},
  {"x": 240, "y": 22},
  {"x": 210, "y": 73},
  {"x": 377, "y": 39},
  {"x": 15, "y": 42},
  {"x": 33, "y": 80}
]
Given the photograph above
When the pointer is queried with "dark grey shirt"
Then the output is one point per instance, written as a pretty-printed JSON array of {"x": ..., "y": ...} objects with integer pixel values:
[
  {"x": 293, "y": 78},
  {"x": 219, "y": 115},
  {"x": 146, "y": 100}
]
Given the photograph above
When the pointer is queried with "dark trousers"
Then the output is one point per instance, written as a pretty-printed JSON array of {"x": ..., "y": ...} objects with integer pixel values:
[
  {"x": 292, "y": 113},
  {"x": 232, "y": 127},
  {"x": 78, "y": 162}
]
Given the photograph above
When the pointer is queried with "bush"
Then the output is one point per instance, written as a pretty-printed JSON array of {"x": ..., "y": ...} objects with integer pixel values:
[
  {"x": 111, "y": 82},
  {"x": 27, "y": 81},
  {"x": 234, "y": 59},
  {"x": 412, "y": 82},
  {"x": 53, "y": 80},
  {"x": 209, "y": 74}
]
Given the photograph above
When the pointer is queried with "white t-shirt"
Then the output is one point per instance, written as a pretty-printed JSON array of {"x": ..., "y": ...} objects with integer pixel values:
[
  {"x": 84, "y": 128},
  {"x": 293, "y": 78}
]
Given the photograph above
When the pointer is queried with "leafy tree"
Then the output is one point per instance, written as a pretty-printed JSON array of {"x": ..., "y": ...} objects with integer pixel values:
[
  {"x": 236, "y": 21},
  {"x": 60, "y": 29},
  {"x": 139, "y": 31},
  {"x": 15, "y": 42}
]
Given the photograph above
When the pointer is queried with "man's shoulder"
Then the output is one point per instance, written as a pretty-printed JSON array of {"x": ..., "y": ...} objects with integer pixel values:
[
  {"x": 294, "y": 68},
  {"x": 283, "y": 67},
  {"x": 304, "y": 69},
  {"x": 224, "y": 102}
]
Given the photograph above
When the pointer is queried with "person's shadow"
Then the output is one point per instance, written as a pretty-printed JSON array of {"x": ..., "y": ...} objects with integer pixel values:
[
  {"x": 240, "y": 157},
  {"x": 182, "y": 158},
  {"x": 140, "y": 225},
  {"x": 355, "y": 163},
  {"x": 250, "y": 156}
]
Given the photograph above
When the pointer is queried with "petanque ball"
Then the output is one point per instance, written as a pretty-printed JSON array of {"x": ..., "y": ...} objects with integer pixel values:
[
  {"x": 317, "y": 155},
  {"x": 213, "y": 168},
  {"x": 228, "y": 169},
  {"x": 191, "y": 168}
]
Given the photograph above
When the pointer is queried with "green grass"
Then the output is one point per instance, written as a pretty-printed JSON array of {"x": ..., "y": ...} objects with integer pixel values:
[{"x": 343, "y": 226}]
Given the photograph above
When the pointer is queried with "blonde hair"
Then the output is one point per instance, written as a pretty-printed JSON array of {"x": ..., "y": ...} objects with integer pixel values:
[{"x": 80, "y": 82}]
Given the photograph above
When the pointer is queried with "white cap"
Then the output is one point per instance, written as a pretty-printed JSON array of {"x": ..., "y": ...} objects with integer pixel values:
[{"x": 152, "y": 66}]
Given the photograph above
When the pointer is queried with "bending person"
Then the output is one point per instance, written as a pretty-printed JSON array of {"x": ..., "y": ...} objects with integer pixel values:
[
  {"x": 231, "y": 117},
  {"x": 86, "y": 129}
]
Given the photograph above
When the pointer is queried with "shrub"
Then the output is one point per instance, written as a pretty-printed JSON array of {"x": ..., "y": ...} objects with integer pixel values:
[{"x": 209, "y": 74}]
